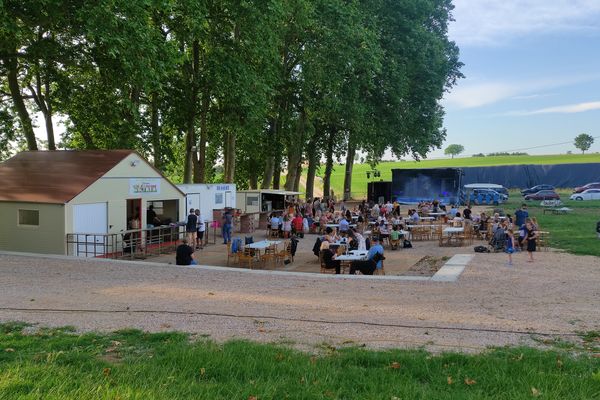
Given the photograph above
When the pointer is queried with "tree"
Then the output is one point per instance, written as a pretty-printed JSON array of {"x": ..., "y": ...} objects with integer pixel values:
[
  {"x": 454, "y": 149},
  {"x": 583, "y": 142}
]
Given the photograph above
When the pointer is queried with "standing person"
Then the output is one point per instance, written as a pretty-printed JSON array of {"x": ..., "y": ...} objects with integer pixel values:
[
  {"x": 510, "y": 245},
  {"x": 191, "y": 227},
  {"x": 184, "y": 255},
  {"x": 530, "y": 236},
  {"x": 227, "y": 225},
  {"x": 201, "y": 227},
  {"x": 521, "y": 215},
  {"x": 151, "y": 217}
]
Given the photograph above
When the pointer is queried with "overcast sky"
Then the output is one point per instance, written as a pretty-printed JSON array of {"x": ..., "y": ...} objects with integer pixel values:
[{"x": 532, "y": 72}]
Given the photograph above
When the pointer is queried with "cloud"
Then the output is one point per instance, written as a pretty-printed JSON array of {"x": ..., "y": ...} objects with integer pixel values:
[
  {"x": 564, "y": 109},
  {"x": 492, "y": 22},
  {"x": 479, "y": 94}
]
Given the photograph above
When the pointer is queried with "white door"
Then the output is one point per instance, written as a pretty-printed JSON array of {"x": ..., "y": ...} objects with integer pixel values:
[
  {"x": 90, "y": 222},
  {"x": 227, "y": 199},
  {"x": 595, "y": 194}
]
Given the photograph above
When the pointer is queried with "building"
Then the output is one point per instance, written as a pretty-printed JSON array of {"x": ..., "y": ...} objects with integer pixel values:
[
  {"x": 209, "y": 197},
  {"x": 264, "y": 200},
  {"x": 49, "y": 194}
]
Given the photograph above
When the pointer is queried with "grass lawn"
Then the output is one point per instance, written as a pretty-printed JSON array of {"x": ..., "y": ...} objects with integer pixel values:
[
  {"x": 58, "y": 364},
  {"x": 574, "y": 232},
  {"x": 359, "y": 176}
]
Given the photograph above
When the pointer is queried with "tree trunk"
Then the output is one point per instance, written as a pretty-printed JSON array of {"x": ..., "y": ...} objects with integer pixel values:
[
  {"x": 312, "y": 169},
  {"x": 268, "y": 173},
  {"x": 298, "y": 175},
  {"x": 253, "y": 179},
  {"x": 201, "y": 172},
  {"x": 17, "y": 98},
  {"x": 328, "y": 165},
  {"x": 349, "y": 166},
  {"x": 155, "y": 130},
  {"x": 277, "y": 170},
  {"x": 230, "y": 159},
  {"x": 48, "y": 114},
  {"x": 270, "y": 162},
  {"x": 190, "y": 140},
  {"x": 188, "y": 164},
  {"x": 295, "y": 143}
]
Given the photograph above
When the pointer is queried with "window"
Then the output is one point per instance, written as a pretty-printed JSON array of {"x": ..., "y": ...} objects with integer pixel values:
[
  {"x": 218, "y": 198},
  {"x": 158, "y": 207},
  {"x": 29, "y": 217},
  {"x": 252, "y": 201}
]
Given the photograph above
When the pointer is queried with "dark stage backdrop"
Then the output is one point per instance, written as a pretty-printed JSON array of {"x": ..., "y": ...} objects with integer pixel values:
[{"x": 414, "y": 185}]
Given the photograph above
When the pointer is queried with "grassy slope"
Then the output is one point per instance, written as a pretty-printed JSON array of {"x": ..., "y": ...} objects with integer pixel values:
[
  {"x": 52, "y": 364},
  {"x": 359, "y": 177}
]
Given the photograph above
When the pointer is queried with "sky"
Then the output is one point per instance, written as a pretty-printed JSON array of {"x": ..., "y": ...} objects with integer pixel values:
[{"x": 532, "y": 76}]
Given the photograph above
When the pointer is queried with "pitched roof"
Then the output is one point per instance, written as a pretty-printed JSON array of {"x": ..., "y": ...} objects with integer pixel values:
[{"x": 54, "y": 176}]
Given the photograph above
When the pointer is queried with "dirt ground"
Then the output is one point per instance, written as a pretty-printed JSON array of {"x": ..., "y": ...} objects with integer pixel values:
[
  {"x": 398, "y": 262},
  {"x": 491, "y": 304}
]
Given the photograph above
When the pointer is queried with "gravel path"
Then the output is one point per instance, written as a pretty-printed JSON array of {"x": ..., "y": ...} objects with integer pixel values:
[{"x": 489, "y": 305}]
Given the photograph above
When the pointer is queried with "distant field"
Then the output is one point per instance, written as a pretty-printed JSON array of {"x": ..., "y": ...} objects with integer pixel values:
[{"x": 359, "y": 176}]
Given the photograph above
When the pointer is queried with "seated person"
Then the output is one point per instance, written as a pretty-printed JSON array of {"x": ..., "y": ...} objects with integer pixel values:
[
  {"x": 457, "y": 222},
  {"x": 298, "y": 224},
  {"x": 184, "y": 254},
  {"x": 328, "y": 257},
  {"x": 330, "y": 236},
  {"x": 453, "y": 211},
  {"x": 395, "y": 238},
  {"x": 362, "y": 243},
  {"x": 374, "y": 260},
  {"x": 467, "y": 212},
  {"x": 344, "y": 225},
  {"x": 275, "y": 223},
  {"x": 384, "y": 232}
]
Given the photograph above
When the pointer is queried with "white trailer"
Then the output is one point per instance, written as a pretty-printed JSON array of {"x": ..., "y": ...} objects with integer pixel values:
[{"x": 208, "y": 197}]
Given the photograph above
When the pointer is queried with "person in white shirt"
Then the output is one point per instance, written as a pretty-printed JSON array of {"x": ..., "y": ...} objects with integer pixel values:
[
  {"x": 201, "y": 227},
  {"x": 457, "y": 222}
]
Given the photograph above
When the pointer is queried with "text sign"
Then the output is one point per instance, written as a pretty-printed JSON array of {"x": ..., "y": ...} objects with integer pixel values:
[
  {"x": 144, "y": 186},
  {"x": 223, "y": 187}
]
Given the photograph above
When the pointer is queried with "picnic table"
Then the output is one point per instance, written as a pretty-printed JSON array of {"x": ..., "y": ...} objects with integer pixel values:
[
  {"x": 556, "y": 211},
  {"x": 347, "y": 259},
  {"x": 263, "y": 244}
]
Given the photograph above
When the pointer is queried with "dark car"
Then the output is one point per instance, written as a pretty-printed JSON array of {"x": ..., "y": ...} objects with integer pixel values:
[
  {"x": 543, "y": 195},
  {"x": 593, "y": 185},
  {"x": 536, "y": 189}
]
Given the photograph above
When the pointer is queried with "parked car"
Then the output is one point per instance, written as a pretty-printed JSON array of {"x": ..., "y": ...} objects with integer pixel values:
[
  {"x": 543, "y": 195},
  {"x": 593, "y": 185},
  {"x": 489, "y": 192},
  {"x": 536, "y": 189},
  {"x": 589, "y": 194}
]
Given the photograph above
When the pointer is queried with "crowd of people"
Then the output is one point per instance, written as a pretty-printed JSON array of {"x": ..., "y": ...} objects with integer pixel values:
[{"x": 335, "y": 222}]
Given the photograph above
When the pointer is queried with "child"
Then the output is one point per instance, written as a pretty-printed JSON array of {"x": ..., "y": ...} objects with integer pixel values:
[
  {"x": 530, "y": 236},
  {"x": 510, "y": 245},
  {"x": 395, "y": 238}
]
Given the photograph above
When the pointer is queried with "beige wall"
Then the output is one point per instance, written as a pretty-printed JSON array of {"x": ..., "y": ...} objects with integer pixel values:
[
  {"x": 48, "y": 237},
  {"x": 113, "y": 188}
]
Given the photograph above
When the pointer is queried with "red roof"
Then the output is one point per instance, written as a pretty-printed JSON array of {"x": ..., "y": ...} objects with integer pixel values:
[{"x": 54, "y": 176}]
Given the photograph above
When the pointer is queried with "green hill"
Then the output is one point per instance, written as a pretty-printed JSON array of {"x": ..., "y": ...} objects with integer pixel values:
[{"x": 359, "y": 176}]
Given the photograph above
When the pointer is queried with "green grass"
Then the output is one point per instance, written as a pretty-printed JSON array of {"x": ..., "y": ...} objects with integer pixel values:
[
  {"x": 359, "y": 176},
  {"x": 574, "y": 232},
  {"x": 59, "y": 364}
]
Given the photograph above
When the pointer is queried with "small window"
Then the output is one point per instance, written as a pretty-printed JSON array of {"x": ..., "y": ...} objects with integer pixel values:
[
  {"x": 252, "y": 201},
  {"x": 29, "y": 217},
  {"x": 218, "y": 198}
]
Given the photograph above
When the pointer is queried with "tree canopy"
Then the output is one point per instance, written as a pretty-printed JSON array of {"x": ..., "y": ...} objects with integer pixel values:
[
  {"x": 583, "y": 142},
  {"x": 454, "y": 150},
  {"x": 252, "y": 92}
]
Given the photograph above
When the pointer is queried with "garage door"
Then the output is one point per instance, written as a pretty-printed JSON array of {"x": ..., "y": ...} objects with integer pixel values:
[{"x": 90, "y": 221}]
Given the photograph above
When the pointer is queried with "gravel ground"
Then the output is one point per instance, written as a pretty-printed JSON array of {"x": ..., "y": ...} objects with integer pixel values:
[{"x": 490, "y": 303}]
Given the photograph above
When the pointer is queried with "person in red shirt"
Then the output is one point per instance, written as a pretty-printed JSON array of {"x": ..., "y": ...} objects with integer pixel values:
[{"x": 297, "y": 224}]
